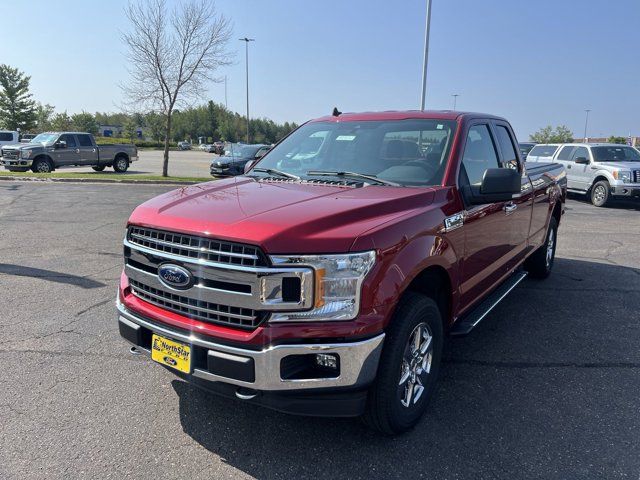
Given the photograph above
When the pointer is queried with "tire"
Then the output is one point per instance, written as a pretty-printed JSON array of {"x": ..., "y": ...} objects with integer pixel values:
[
  {"x": 99, "y": 168},
  {"x": 120, "y": 164},
  {"x": 600, "y": 193},
  {"x": 539, "y": 265},
  {"x": 388, "y": 410},
  {"x": 42, "y": 165}
]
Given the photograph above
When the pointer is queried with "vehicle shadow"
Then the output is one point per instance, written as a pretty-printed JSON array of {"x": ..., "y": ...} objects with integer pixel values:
[
  {"x": 49, "y": 275},
  {"x": 549, "y": 376}
]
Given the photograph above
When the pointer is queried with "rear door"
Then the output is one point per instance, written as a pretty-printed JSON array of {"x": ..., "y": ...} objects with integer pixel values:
[
  {"x": 487, "y": 228},
  {"x": 88, "y": 151}
]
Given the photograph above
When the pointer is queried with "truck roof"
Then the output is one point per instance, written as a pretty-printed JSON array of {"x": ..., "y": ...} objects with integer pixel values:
[
  {"x": 404, "y": 115},
  {"x": 70, "y": 133}
]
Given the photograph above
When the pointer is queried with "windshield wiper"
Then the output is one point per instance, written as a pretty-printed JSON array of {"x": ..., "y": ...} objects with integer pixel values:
[
  {"x": 373, "y": 178},
  {"x": 273, "y": 171}
]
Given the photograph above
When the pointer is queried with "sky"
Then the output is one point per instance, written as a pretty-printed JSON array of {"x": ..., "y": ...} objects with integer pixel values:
[{"x": 536, "y": 63}]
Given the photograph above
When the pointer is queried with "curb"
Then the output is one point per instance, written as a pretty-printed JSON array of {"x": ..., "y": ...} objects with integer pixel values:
[{"x": 98, "y": 180}]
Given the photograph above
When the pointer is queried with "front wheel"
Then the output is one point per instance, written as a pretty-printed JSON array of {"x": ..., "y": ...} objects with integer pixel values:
[
  {"x": 409, "y": 366},
  {"x": 600, "y": 193},
  {"x": 121, "y": 164},
  {"x": 41, "y": 165}
]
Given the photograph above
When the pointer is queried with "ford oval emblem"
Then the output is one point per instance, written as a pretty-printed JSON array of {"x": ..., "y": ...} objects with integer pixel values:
[{"x": 175, "y": 276}]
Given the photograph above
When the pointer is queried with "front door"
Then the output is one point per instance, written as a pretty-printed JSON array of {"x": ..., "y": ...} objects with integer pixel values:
[
  {"x": 68, "y": 155},
  {"x": 487, "y": 228},
  {"x": 579, "y": 175}
]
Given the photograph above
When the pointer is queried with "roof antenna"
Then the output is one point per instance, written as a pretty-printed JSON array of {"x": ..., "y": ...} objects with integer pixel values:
[{"x": 336, "y": 112}]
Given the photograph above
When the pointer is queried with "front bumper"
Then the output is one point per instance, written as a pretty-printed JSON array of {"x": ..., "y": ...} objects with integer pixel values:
[
  {"x": 261, "y": 376},
  {"x": 626, "y": 190},
  {"x": 16, "y": 162}
]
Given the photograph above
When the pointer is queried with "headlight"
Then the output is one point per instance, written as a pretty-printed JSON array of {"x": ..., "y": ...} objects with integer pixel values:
[
  {"x": 338, "y": 280},
  {"x": 624, "y": 177},
  {"x": 26, "y": 153}
]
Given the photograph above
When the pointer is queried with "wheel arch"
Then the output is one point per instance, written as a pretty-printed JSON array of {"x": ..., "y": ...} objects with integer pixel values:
[
  {"x": 599, "y": 177},
  {"x": 434, "y": 282}
]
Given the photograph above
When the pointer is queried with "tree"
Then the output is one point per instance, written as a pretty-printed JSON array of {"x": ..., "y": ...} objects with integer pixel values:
[
  {"x": 84, "y": 122},
  {"x": 130, "y": 129},
  {"x": 614, "y": 139},
  {"x": 173, "y": 55},
  {"x": 561, "y": 134},
  {"x": 61, "y": 122},
  {"x": 44, "y": 113},
  {"x": 17, "y": 108},
  {"x": 156, "y": 123}
]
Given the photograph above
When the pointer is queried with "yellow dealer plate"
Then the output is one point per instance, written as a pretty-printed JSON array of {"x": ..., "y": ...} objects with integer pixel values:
[{"x": 171, "y": 353}]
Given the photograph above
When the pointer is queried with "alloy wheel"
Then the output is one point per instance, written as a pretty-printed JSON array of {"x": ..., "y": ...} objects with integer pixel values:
[{"x": 416, "y": 365}]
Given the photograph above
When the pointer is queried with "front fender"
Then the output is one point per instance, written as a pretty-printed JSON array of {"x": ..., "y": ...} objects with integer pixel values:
[{"x": 400, "y": 264}]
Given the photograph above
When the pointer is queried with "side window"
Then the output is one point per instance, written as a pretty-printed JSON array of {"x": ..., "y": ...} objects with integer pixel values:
[
  {"x": 509, "y": 156},
  {"x": 479, "y": 154},
  {"x": 85, "y": 141},
  {"x": 565, "y": 153},
  {"x": 581, "y": 152},
  {"x": 70, "y": 139},
  {"x": 6, "y": 136}
]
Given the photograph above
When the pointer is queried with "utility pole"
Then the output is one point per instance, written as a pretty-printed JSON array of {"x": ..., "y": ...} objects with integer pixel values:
[
  {"x": 226, "y": 105},
  {"x": 586, "y": 122},
  {"x": 455, "y": 99},
  {"x": 246, "y": 45},
  {"x": 426, "y": 55}
]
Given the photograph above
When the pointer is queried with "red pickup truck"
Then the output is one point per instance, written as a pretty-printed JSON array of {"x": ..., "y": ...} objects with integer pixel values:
[{"x": 325, "y": 279}]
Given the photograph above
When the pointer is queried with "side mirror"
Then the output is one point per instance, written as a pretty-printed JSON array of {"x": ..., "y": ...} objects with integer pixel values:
[
  {"x": 60, "y": 144},
  {"x": 248, "y": 165},
  {"x": 498, "y": 185},
  {"x": 260, "y": 154},
  {"x": 582, "y": 160}
]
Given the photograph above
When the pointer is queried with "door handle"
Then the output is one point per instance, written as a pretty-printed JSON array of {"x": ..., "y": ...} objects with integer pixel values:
[
  {"x": 509, "y": 208},
  {"x": 568, "y": 166}
]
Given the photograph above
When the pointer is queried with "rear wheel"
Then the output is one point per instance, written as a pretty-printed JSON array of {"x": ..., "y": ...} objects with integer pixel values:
[
  {"x": 99, "y": 168},
  {"x": 600, "y": 193},
  {"x": 409, "y": 366},
  {"x": 42, "y": 165},
  {"x": 539, "y": 264},
  {"x": 120, "y": 164}
]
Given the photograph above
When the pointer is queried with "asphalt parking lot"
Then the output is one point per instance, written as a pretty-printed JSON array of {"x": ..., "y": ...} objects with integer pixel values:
[
  {"x": 187, "y": 163},
  {"x": 546, "y": 387}
]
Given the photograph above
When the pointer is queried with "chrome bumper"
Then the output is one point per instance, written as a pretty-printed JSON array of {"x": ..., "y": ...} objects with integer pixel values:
[
  {"x": 358, "y": 360},
  {"x": 16, "y": 162}
]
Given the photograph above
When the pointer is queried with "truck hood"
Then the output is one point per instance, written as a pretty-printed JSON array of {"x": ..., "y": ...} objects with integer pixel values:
[
  {"x": 620, "y": 165},
  {"x": 24, "y": 146},
  {"x": 280, "y": 217}
]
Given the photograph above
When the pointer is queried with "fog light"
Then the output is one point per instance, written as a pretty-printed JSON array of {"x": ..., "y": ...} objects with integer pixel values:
[{"x": 327, "y": 360}]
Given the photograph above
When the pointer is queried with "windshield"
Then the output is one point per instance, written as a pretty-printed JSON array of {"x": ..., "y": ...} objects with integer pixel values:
[
  {"x": 408, "y": 152},
  {"x": 543, "y": 150},
  {"x": 45, "y": 138},
  {"x": 615, "y": 154}
]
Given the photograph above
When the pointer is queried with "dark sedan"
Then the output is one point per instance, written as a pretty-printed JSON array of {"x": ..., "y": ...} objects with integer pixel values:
[{"x": 234, "y": 159}]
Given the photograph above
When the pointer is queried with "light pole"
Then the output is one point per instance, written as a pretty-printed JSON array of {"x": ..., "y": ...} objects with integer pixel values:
[
  {"x": 246, "y": 45},
  {"x": 586, "y": 122},
  {"x": 455, "y": 99},
  {"x": 426, "y": 55}
]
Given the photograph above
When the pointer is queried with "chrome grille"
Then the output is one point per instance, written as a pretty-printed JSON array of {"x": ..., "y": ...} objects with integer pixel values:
[
  {"x": 202, "y": 248},
  {"x": 11, "y": 154},
  {"x": 197, "y": 309},
  {"x": 636, "y": 176}
]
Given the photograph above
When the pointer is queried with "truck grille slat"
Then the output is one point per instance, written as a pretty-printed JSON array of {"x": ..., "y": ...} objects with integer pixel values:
[
  {"x": 636, "y": 176},
  {"x": 197, "y": 309},
  {"x": 191, "y": 246}
]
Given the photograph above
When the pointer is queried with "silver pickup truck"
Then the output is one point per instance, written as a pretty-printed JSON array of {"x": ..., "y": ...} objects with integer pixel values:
[
  {"x": 51, "y": 150},
  {"x": 600, "y": 170}
]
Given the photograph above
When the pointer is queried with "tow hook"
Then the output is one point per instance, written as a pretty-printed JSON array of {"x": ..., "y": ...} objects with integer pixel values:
[
  {"x": 246, "y": 393},
  {"x": 134, "y": 351}
]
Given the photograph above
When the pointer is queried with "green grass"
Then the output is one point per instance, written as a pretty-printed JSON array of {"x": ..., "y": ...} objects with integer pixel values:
[{"x": 105, "y": 176}]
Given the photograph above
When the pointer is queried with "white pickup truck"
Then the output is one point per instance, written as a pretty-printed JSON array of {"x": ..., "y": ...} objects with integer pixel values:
[{"x": 600, "y": 170}]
